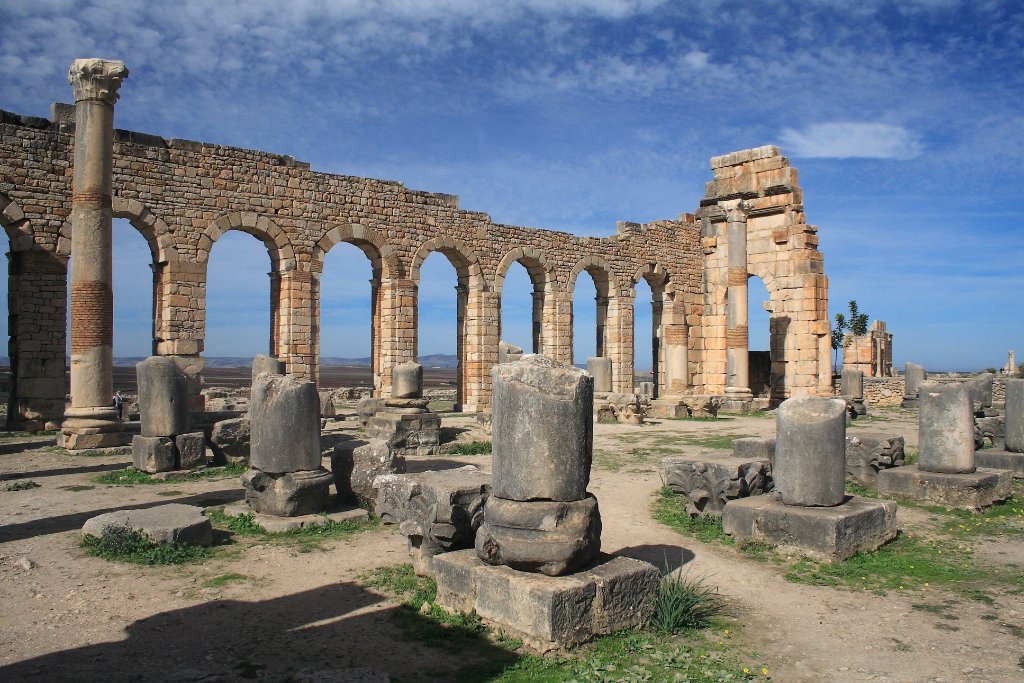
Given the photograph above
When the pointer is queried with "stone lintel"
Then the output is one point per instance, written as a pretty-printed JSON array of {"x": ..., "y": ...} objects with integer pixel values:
[
  {"x": 831, "y": 533},
  {"x": 745, "y": 156},
  {"x": 549, "y": 612},
  {"x": 974, "y": 491}
]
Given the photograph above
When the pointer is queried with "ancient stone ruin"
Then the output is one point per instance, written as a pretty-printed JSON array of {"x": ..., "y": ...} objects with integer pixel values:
[
  {"x": 1011, "y": 455},
  {"x": 913, "y": 375},
  {"x": 166, "y": 442}
]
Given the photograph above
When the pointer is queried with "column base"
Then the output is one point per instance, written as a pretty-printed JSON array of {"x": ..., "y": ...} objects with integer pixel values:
[{"x": 92, "y": 427}]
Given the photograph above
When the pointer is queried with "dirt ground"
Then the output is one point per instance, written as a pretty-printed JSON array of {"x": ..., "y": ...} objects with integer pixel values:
[{"x": 69, "y": 616}]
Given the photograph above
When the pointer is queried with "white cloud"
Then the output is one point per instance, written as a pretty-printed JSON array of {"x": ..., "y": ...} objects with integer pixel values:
[{"x": 847, "y": 140}]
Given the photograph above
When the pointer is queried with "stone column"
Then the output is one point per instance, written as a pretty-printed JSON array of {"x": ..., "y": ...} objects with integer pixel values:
[
  {"x": 736, "y": 348},
  {"x": 945, "y": 429},
  {"x": 1015, "y": 415},
  {"x": 913, "y": 376},
  {"x": 91, "y": 421},
  {"x": 810, "y": 451},
  {"x": 398, "y": 313}
]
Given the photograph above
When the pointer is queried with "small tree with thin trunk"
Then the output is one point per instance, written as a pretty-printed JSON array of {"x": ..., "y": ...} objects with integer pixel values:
[{"x": 856, "y": 325}]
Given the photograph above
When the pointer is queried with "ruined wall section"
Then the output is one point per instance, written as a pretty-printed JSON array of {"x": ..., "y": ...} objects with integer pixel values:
[{"x": 782, "y": 249}]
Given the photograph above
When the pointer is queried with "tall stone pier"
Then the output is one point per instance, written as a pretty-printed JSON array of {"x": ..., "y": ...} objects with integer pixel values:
[
  {"x": 736, "y": 338},
  {"x": 91, "y": 421}
]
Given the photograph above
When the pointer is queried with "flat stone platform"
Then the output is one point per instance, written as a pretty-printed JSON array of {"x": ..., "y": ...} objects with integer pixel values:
[
  {"x": 831, "y": 533},
  {"x": 975, "y": 491},
  {"x": 172, "y": 523},
  {"x": 999, "y": 459},
  {"x": 549, "y": 612},
  {"x": 275, "y": 524}
]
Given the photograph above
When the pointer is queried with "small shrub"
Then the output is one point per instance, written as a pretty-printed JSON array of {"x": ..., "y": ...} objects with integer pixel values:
[
  {"x": 126, "y": 477},
  {"x": 470, "y": 448},
  {"x": 685, "y": 603},
  {"x": 21, "y": 486},
  {"x": 128, "y": 545}
]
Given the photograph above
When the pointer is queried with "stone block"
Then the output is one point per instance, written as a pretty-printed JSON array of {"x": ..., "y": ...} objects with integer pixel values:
[
  {"x": 601, "y": 368},
  {"x": 754, "y": 448},
  {"x": 357, "y": 464},
  {"x": 163, "y": 397},
  {"x": 191, "y": 449},
  {"x": 866, "y": 455},
  {"x": 407, "y": 433},
  {"x": 153, "y": 453},
  {"x": 1000, "y": 459},
  {"x": 1014, "y": 407},
  {"x": 990, "y": 431},
  {"x": 549, "y": 613},
  {"x": 74, "y": 441},
  {"x": 367, "y": 408},
  {"x": 289, "y": 494},
  {"x": 229, "y": 441},
  {"x": 833, "y": 533},
  {"x": 945, "y": 428},
  {"x": 710, "y": 481},
  {"x": 810, "y": 463},
  {"x": 262, "y": 363},
  {"x": 174, "y": 523},
  {"x": 971, "y": 491},
  {"x": 284, "y": 424},
  {"x": 542, "y": 430},
  {"x": 407, "y": 380}
]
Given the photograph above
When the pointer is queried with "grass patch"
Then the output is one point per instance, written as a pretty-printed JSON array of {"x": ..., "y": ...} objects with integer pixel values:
[
  {"x": 133, "y": 477},
  {"x": 670, "y": 510},
  {"x": 123, "y": 544},
  {"x": 224, "y": 579},
  {"x": 694, "y": 418},
  {"x": 720, "y": 441},
  {"x": 855, "y": 489},
  {"x": 1001, "y": 519},
  {"x": 909, "y": 456},
  {"x": 21, "y": 486},
  {"x": 685, "y": 603},
  {"x": 469, "y": 448},
  {"x": 75, "y": 488},
  {"x": 306, "y": 539}
]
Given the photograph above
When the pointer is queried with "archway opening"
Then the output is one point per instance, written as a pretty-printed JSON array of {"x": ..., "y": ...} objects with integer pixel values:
[
  {"x": 346, "y": 333},
  {"x": 646, "y": 336},
  {"x": 520, "y": 322},
  {"x": 440, "y": 326},
  {"x": 760, "y": 348},
  {"x": 239, "y": 302},
  {"x": 133, "y": 302},
  {"x": 585, "y": 302}
]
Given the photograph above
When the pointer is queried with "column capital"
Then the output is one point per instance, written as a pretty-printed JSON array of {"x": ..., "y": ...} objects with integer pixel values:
[
  {"x": 96, "y": 79},
  {"x": 735, "y": 210}
]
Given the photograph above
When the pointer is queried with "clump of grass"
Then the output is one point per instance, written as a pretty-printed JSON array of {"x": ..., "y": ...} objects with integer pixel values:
[
  {"x": 670, "y": 510},
  {"x": 124, "y": 544},
  {"x": 126, "y": 477},
  {"x": 685, "y": 602},
  {"x": 22, "y": 486},
  {"x": 855, "y": 489},
  {"x": 305, "y": 539},
  {"x": 242, "y": 525},
  {"x": 224, "y": 579},
  {"x": 909, "y": 457},
  {"x": 132, "y": 477},
  {"x": 469, "y": 448}
]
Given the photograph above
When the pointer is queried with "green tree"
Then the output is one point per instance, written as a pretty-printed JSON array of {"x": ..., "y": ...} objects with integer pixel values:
[{"x": 856, "y": 325}]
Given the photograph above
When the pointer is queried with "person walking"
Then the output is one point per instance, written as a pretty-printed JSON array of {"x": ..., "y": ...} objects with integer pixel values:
[{"x": 119, "y": 405}]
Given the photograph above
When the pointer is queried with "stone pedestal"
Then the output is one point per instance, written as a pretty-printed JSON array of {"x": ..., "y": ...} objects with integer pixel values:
[
  {"x": 913, "y": 376},
  {"x": 832, "y": 533},
  {"x": 945, "y": 428},
  {"x": 601, "y": 368},
  {"x": 973, "y": 491},
  {"x": 754, "y": 448},
  {"x": 1014, "y": 423},
  {"x": 710, "y": 481},
  {"x": 438, "y": 512},
  {"x": 549, "y": 613},
  {"x": 407, "y": 431},
  {"x": 407, "y": 380},
  {"x": 303, "y": 492},
  {"x": 173, "y": 523}
]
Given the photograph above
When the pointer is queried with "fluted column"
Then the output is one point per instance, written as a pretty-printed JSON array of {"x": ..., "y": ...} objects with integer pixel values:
[
  {"x": 91, "y": 421},
  {"x": 737, "y": 362}
]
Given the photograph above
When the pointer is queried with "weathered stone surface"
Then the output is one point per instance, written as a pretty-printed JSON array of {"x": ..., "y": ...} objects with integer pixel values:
[
  {"x": 153, "y": 453},
  {"x": 407, "y": 433},
  {"x": 174, "y": 523},
  {"x": 972, "y": 491},
  {"x": 1015, "y": 415},
  {"x": 284, "y": 424},
  {"x": 407, "y": 380},
  {"x": 852, "y": 383},
  {"x": 262, "y": 363},
  {"x": 810, "y": 461},
  {"x": 437, "y": 511},
  {"x": 357, "y": 464},
  {"x": 549, "y": 613},
  {"x": 913, "y": 375},
  {"x": 1000, "y": 459},
  {"x": 542, "y": 430},
  {"x": 550, "y": 537},
  {"x": 509, "y": 353},
  {"x": 289, "y": 494},
  {"x": 945, "y": 428},
  {"x": 229, "y": 441},
  {"x": 367, "y": 408},
  {"x": 754, "y": 448},
  {"x": 834, "y": 533},
  {"x": 601, "y": 368},
  {"x": 327, "y": 408},
  {"x": 989, "y": 431},
  {"x": 622, "y": 408},
  {"x": 711, "y": 481},
  {"x": 163, "y": 397},
  {"x": 867, "y": 454},
  {"x": 85, "y": 441},
  {"x": 980, "y": 388},
  {"x": 191, "y": 449}
]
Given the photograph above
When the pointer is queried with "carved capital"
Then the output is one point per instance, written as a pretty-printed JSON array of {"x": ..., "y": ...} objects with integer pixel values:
[{"x": 96, "y": 79}]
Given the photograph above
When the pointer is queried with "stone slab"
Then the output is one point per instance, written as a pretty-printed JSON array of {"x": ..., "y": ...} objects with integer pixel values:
[
  {"x": 275, "y": 524},
  {"x": 709, "y": 481},
  {"x": 754, "y": 448},
  {"x": 73, "y": 441},
  {"x": 549, "y": 613},
  {"x": 407, "y": 434},
  {"x": 974, "y": 491},
  {"x": 173, "y": 523},
  {"x": 999, "y": 459},
  {"x": 832, "y": 533}
]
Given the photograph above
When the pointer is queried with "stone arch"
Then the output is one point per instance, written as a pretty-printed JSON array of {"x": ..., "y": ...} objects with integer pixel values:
[
  {"x": 382, "y": 256},
  {"x": 544, "y": 326},
  {"x": 768, "y": 375},
  {"x": 15, "y": 224},
  {"x": 655, "y": 274},
  {"x": 465, "y": 260},
  {"x": 537, "y": 266},
  {"x": 599, "y": 270},
  {"x": 282, "y": 254},
  {"x": 657, "y": 278},
  {"x": 153, "y": 228}
]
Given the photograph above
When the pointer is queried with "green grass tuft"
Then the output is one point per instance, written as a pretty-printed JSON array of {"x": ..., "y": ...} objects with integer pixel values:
[
  {"x": 224, "y": 579},
  {"x": 127, "y": 545},
  {"x": 22, "y": 486},
  {"x": 132, "y": 477},
  {"x": 670, "y": 510},
  {"x": 685, "y": 603},
  {"x": 469, "y": 448},
  {"x": 306, "y": 539}
]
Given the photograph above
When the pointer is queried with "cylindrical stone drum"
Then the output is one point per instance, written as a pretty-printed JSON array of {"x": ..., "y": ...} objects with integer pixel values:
[
  {"x": 810, "y": 451},
  {"x": 542, "y": 430},
  {"x": 284, "y": 424},
  {"x": 981, "y": 390},
  {"x": 913, "y": 376},
  {"x": 853, "y": 384},
  {"x": 407, "y": 380},
  {"x": 1015, "y": 415},
  {"x": 163, "y": 397},
  {"x": 945, "y": 429},
  {"x": 601, "y": 368}
]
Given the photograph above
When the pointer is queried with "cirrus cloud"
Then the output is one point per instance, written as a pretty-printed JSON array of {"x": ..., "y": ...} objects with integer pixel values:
[{"x": 848, "y": 140}]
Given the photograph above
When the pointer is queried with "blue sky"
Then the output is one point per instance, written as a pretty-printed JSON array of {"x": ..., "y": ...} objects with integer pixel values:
[{"x": 905, "y": 120}]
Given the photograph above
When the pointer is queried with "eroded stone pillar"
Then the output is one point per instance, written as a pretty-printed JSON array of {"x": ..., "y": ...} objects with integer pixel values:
[
  {"x": 736, "y": 348},
  {"x": 91, "y": 421}
]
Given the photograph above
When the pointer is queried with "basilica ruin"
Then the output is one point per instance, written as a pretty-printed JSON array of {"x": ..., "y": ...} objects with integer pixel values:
[{"x": 182, "y": 196}]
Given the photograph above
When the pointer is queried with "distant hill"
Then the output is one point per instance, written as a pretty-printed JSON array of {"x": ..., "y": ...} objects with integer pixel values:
[{"x": 437, "y": 360}]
